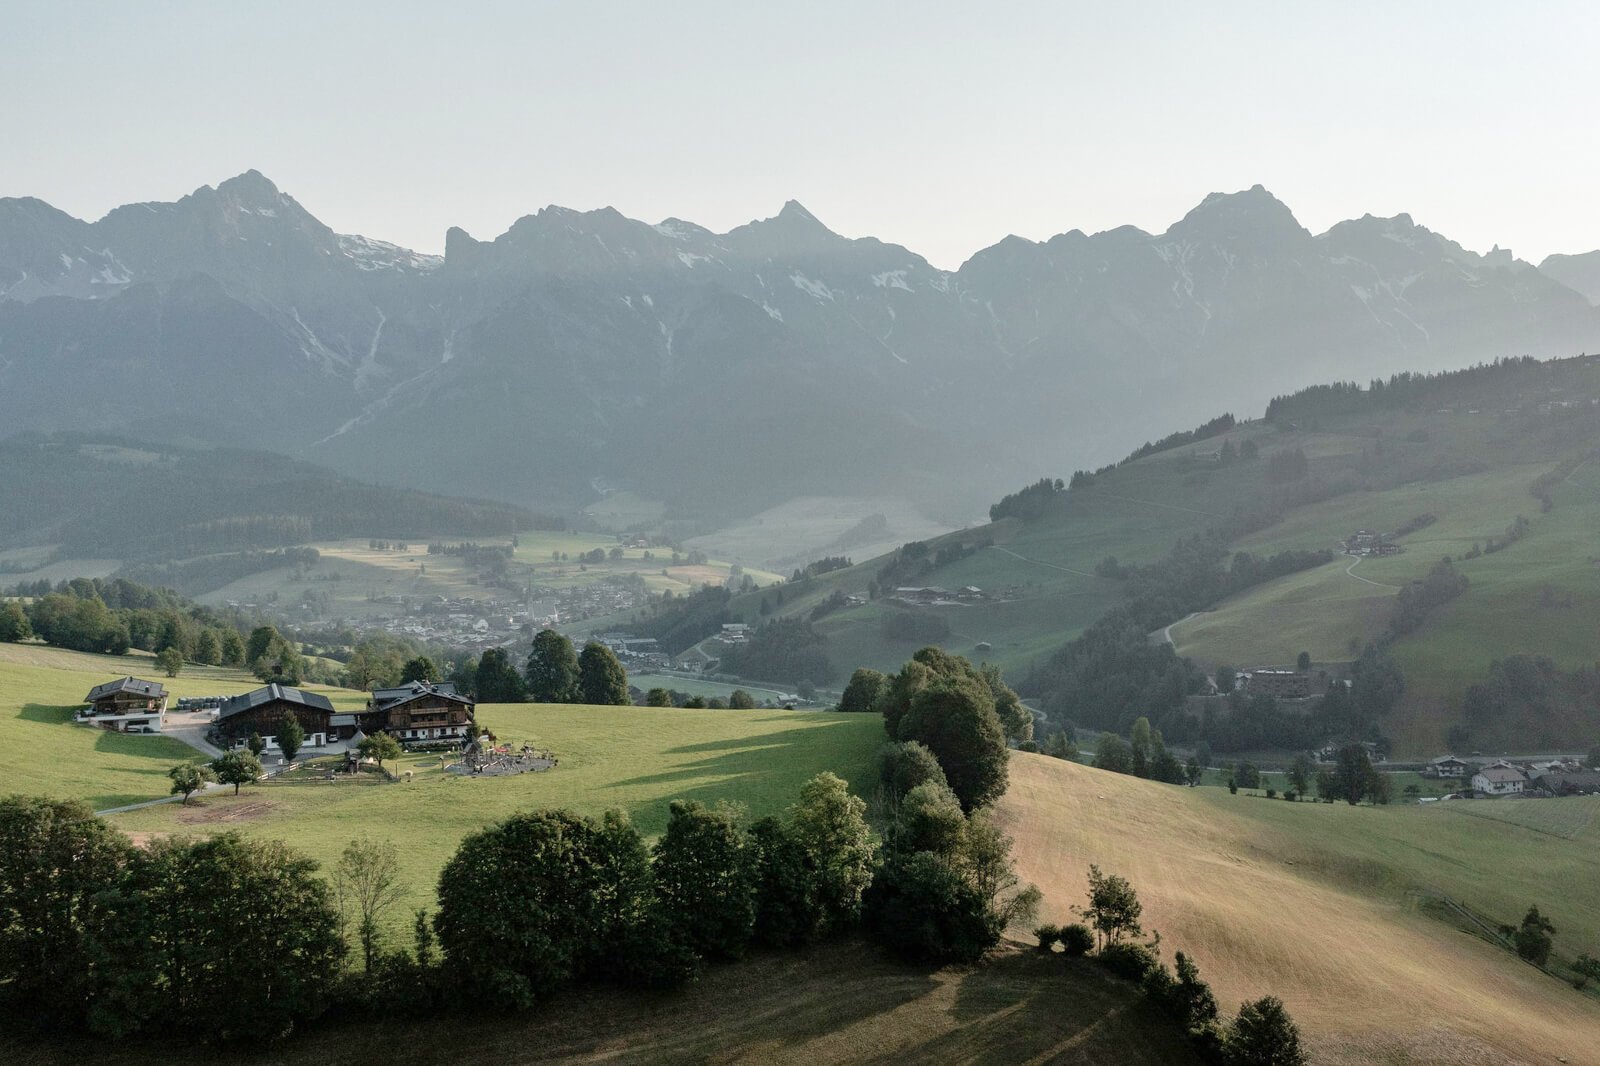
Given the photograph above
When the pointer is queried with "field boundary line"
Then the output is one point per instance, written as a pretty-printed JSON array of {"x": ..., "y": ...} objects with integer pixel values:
[{"x": 1037, "y": 562}]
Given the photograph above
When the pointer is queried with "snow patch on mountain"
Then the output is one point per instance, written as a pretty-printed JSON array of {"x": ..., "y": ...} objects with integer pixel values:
[
  {"x": 371, "y": 254},
  {"x": 891, "y": 279},
  {"x": 815, "y": 288}
]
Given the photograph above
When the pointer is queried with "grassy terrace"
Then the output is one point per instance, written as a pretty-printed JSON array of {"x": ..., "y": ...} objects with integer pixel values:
[
  {"x": 42, "y": 752},
  {"x": 635, "y": 758}
]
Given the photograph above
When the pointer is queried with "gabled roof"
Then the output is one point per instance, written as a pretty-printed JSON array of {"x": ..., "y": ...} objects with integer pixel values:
[
  {"x": 384, "y": 698},
  {"x": 1582, "y": 780},
  {"x": 1497, "y": 775},
  {"x": 271, "y": 694},
  {"x": 153, "y": 689}
]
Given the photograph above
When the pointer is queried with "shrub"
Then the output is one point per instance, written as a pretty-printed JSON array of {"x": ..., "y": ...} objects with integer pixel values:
[
  {"x": 904, "y": 765},
  {"x": 1048, "y": 936},
  {"x": 1128, "y": 960},
  {"x": 1263, "y": 1034},
  {"x": 1076, "y": 939}
]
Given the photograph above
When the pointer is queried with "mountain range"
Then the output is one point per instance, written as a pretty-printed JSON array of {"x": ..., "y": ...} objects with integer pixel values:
[{"x": 581, "y": 352}]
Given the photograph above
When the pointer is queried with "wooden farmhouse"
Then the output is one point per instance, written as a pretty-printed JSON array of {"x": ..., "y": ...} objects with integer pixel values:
[
  {"x": 262, "y": 710},
  {"x": 126, "y": 705},
  {"x": 419, "y": 713}
]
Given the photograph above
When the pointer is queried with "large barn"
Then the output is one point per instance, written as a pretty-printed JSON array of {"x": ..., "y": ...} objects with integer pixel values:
[
  {"x": 262, "y": 710},
  {"x": 126, "y": 705}
]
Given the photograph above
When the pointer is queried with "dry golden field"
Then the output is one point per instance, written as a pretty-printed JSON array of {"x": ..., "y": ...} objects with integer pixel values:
[{"x": 1316, "y": 904}]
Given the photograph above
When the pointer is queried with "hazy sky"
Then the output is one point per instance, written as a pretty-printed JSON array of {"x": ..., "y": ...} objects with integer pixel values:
[{"x": 941, "y": 126}]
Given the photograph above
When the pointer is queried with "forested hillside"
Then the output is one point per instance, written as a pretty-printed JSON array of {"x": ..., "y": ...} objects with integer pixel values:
[
  {"x": 1229, "y": 543},
  {"x": 95, "y": 496}
]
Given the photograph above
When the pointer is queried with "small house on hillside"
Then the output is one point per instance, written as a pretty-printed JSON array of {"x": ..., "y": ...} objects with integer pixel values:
[
  {"x": 261, "y": 711},
  {"x": 419, "y": 712},
  {"x": 1449, "y": 766},
  {"x": 1499, "y": 780},
  {"x": 126, "y": 705}
]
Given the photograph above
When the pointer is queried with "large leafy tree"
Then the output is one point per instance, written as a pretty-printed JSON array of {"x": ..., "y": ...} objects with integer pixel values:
[
  {"x": 189, "y": 778},
  {"x": 541, "y": 899},
  {"x": 601, "y": 678},
  {"x": 228, "y": 937},
  {"x": 705, "y": 877},
  {"x": 367, "y": 880},
  {"x": 55, "y": 860},
  {"x": 955, "y": 718},
  {"x": 552, "y": 669},
  {"x": 862, "y": 692},
  {"x": 496, "y": 680},
  {"x": 831, "y": 830},
  {"x": 1263, "y": 1034},
  {"x": 236, "y": 767},
  {"x": 419, "y": 668}
]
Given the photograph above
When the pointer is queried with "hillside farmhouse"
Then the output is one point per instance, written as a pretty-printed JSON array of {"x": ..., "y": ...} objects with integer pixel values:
[
  {"x": 262, "y": 710},
  {"x": 419, "y": 712},
  {"x": 1279, "y": 684},
  {"x": 1449, "y": 766},
  {"x": 1570, "y": 783},
  {"x": 1499, "y": 780},
  {"x": 126, "y": 705}
]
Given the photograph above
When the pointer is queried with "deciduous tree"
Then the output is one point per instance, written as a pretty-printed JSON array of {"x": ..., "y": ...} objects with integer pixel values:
[
  {"x": 189, "y": 778},
  {"x": 236, "y": 768},
  {"x": 601, "y": 678},
  {"x": 552, "y": 669}
]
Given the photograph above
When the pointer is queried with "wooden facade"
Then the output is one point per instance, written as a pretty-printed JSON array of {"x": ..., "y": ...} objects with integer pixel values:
[
  {"x": 126, "y": 704},
  {"x": 262, "y": 710},
  {"x": 420, "y": 713}
]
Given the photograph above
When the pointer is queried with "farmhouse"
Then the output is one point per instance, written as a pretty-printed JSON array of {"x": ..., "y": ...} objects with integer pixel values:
[
  {"x": 1280, "y": 684},
  {"x": 1499, "y": 780},
  {"x": 1449, "y": 766},
  {"x": 261, "y": 710},
  {"x": 126, "y": 705},
  {"x": 1570, "y": 783},
  {"x": 416, "y": 713}
]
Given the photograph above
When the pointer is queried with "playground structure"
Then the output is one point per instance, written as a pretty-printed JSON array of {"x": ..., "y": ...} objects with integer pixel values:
[{"x": 484, "y": 758}]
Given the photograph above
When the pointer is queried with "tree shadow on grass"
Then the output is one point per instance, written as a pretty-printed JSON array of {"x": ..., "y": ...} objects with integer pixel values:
[
  {"x": 1024, "y": 1005},
  {"x": 39, "y": 712},
  {"x": 729, "y": 743},
  {"x": 748, "y": 755}
]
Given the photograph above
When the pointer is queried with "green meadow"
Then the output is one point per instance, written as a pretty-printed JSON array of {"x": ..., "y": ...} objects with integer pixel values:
[{"x": 634, "y": 758}]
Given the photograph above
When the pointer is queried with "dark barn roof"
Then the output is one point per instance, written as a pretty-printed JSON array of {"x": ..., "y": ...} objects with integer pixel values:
[
  {"x": 153, "y": 689},
  {"x": 270, "y": 694},
  {"x": 384, "y": 698}
]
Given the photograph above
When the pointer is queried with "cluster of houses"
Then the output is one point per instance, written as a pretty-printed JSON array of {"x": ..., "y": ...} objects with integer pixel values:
[
  {"x": 419, "y": 712},
  {"x": 638, "y": 654},
  {"x": 1557, "y": 777},
  {"x": 937, "y": 596},
  {"x": 1364, "y": 542}
]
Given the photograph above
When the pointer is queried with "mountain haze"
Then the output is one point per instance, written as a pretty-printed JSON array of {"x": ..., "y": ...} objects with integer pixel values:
[{"x": 580, "y": 351}]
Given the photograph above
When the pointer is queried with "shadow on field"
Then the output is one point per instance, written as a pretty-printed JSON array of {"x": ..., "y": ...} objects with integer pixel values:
[
  {"x": 784, "y": 736},
  {"x": 39, "y": 712},
  {"x": 841, "y": 1002}
]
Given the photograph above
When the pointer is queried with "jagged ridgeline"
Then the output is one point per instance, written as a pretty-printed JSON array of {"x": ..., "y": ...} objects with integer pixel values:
[{"x": 108, "y": 497}]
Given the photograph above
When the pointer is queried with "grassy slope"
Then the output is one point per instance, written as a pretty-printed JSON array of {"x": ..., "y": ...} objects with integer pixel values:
[
  {"x": 635, "y": 758},
  {"x": 838, "y": 1003},
  {"x": 1316, "y": 903},
  {"x": 42, "y": 752},
  {"x": 1139, "y": 510}
]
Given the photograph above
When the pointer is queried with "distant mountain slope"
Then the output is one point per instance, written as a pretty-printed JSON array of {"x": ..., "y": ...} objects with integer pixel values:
[
  {"x": 1472, "y": 450},
  {"x": 722, "y": 372},
  {"x": 104, "y": 496},
  {"x": 1581, "y": 273}
]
